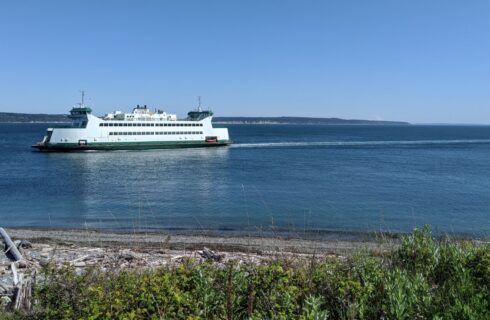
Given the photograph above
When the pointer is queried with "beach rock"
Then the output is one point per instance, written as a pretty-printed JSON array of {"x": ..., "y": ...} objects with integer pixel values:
[
  {"x": 23, "y": 244},
  {"x": 80, "y": 264},
  {"x": 211, "y": 255},
  {"x": 5, "y": 301},
  {"x": 127, "y": 255},
  {"x": 43, "y": 262}
]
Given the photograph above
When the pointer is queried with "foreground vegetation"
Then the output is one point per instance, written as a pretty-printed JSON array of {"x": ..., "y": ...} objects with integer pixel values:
[{"x": 423, "y": 278}]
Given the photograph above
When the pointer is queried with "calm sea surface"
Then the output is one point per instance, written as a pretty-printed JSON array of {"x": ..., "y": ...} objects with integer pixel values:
[{"x": 274, "y": 178}]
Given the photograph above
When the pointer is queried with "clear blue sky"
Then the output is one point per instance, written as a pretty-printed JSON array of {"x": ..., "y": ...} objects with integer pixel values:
[{"x": 419, "y": 61}]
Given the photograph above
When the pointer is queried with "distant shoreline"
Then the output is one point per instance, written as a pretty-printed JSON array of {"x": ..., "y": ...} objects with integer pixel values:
[
  {"x": 309, "y": 124},
  {"x": 31, "y": 122},
  {"x": 292, "y": 124},
  {"x": 9, "y": 117},
  {"x": 238, "y": 123},
  {"x": 302, "y": 121}
]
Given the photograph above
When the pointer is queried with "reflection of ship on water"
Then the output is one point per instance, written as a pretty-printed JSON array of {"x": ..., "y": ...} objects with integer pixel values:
[
  {"x": 140, "y": 129},
  {"x": 153, "y": 189}
]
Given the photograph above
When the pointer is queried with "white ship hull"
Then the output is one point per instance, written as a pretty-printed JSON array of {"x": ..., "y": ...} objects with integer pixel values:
[{"x": 89, "y": 132}]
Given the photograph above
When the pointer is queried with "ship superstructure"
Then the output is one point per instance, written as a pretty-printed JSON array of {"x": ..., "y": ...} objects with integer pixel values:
[{"x": 140, "y": 129}]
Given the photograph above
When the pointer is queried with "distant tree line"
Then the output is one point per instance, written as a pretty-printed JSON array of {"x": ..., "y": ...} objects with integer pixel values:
[
  {"x": 28, "y": 117},
  {"x": 300, "y": 120}
]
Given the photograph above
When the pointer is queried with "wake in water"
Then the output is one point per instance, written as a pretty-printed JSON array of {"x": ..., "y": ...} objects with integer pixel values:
[{"x": 357, "y": 143}]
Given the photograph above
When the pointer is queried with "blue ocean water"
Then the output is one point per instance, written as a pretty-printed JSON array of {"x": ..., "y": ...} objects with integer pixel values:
[{"x": 273, "y": 178}]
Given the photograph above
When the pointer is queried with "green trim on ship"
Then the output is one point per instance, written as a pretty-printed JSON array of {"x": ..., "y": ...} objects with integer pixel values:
[{"x": 133, "y": 145}]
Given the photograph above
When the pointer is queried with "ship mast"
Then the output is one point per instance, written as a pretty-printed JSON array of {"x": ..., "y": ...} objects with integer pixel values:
[
  {"x": 83, "y": 97},
  {"x": 199, "y": 105}
]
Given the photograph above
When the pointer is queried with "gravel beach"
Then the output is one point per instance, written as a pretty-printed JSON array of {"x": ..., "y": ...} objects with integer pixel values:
[{"x": 113, "y": 251}]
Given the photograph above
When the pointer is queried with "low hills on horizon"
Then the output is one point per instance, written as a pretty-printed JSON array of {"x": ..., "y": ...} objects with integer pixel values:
[
  {"x": 299, "y": 120},
  {"x": 29, "y": 118}
]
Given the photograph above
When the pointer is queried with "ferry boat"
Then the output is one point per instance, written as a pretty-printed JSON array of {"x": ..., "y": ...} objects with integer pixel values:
[{"x": 140, "y": 129}]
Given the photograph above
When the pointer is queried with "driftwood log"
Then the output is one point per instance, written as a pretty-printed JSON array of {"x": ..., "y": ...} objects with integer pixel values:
[
  {"x": 22, "y": 287},
  {"x": 15, "y": 275},
  {"x": 10, "y": 248},
  {"x": 23, "y": 294}
]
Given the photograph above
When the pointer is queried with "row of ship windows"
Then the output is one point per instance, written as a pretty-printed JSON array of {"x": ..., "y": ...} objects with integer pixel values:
[
  {"x": 152, "y": 133},
  {"x": 103, "y": 124}
]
